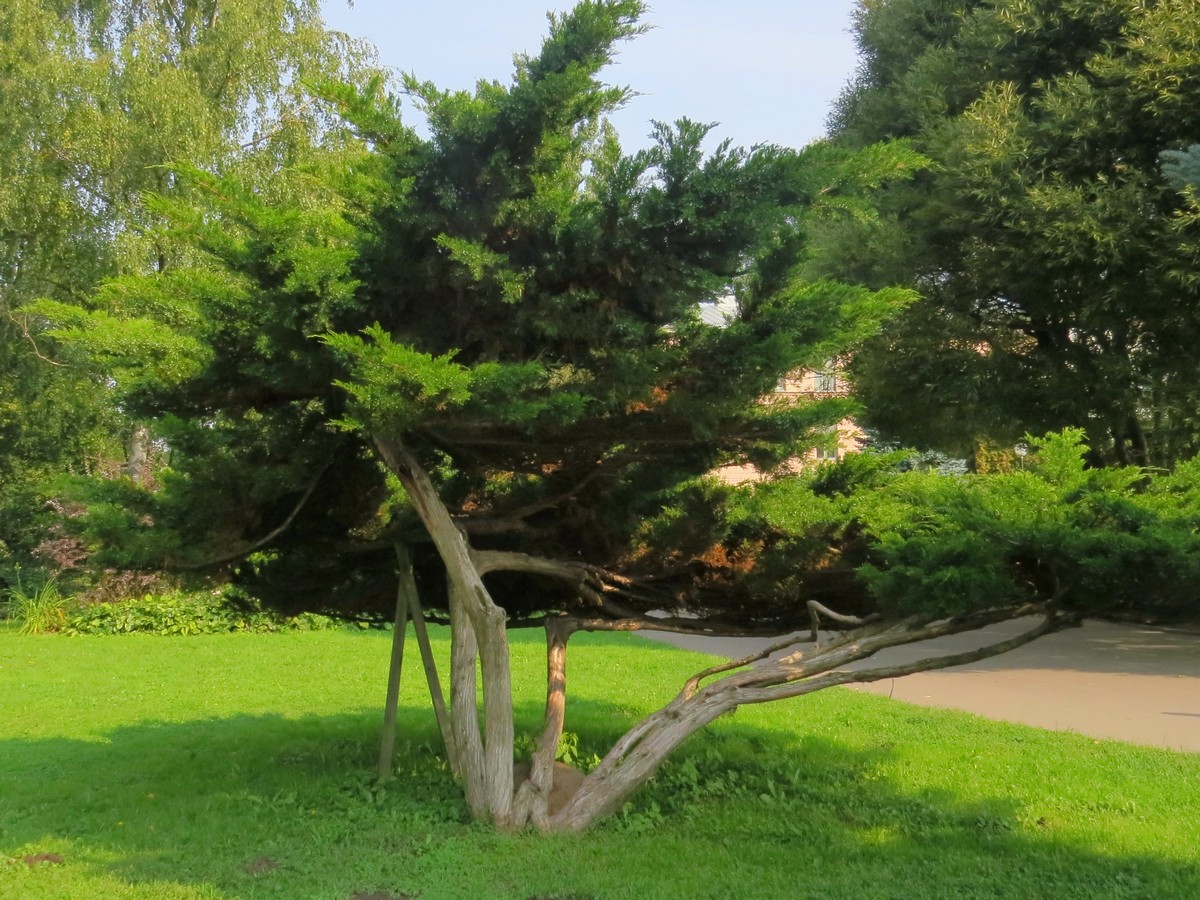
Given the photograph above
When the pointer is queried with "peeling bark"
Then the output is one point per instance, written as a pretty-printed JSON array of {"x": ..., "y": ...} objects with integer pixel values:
[
  {"x": 638, "y": 754},
  {"x": 532, "y": 802},
  {"x": 464, "y": 705},
  {"x": 478, "y": 629}
]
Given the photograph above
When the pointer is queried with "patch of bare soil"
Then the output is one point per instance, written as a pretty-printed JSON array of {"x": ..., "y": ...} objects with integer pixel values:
[{"x": 34, "y": 859}]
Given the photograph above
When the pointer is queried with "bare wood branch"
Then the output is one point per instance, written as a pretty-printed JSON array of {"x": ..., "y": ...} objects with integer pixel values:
[
  {"x": 23, "y": 325},
  {"x": 431, "y": 674},
  {"x": 470, "y": 598},
  {"x": 693, "y": 683},
  {"x": 387, "y": 743},
  {"x": 533, "y": 797},
  {"x": 815, "y": 610},
  {"x": 502, "y": 560},
  {"x": 1050, "y": 623},
  {"x": 696, "y": 627},
  {"x": 270, "y": 536},
  {"x": 514, "y": 521},
  {"x": 865, "y": 642},
  {"x": 638, "y": 753},
  {"x": 464, "y": 708}
]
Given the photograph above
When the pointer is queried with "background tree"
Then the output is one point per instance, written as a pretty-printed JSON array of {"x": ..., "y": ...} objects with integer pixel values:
[
  {"x": 98, "y": 99},
  {"x": 1042, "y": 237}
]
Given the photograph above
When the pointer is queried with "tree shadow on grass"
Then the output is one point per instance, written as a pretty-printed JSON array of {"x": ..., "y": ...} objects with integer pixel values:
[
  {"x": 230, "y": 802},
  {"x": 251, "y": 806}
]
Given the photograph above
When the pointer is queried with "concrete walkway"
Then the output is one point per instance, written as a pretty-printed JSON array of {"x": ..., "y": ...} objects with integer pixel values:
[{"x": 1129, "y": 682}]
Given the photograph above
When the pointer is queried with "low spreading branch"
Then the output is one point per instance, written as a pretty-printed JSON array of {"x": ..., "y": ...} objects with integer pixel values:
[
  {"x": 816, "y": 610},
  {"x": 695, "y": 627},
  {"x": 241, "y": 553},
  {"x": 486, "y": 561},
  {"x": 514, "y": 521},
  {"x": 762, "y": 677},
  {"x": 1050, "y": 623}
]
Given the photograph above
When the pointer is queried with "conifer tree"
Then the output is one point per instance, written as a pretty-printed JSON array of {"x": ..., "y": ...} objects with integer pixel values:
[{"x": 485, "y": 348}]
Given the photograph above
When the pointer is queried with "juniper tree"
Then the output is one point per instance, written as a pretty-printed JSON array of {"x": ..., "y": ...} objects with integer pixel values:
[{"x": 486, "y": 347}]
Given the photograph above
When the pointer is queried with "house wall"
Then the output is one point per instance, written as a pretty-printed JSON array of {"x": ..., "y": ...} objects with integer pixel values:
[{"x": 807, "y": 384}]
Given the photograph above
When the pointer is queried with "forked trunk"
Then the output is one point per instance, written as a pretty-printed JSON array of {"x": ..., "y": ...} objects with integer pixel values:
[
  {"x": 478, "y": 631},
  {"x": 478, "y": 636}
]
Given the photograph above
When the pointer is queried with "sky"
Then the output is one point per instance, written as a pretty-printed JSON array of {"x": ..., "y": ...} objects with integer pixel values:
[{"x": 768, "y": 71}]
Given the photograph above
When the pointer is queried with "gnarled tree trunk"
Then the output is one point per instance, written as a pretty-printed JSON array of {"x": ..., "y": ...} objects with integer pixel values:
[
  {"x": 761, "y": 679},
  {"x": 478, "y": 628},
  {"x": 479, "y": 634}
]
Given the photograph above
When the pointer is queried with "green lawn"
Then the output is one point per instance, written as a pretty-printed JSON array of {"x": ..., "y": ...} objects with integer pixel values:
[{"x": 240, "y": 766}]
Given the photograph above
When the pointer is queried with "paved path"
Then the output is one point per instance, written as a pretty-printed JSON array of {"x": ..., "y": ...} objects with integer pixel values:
[{"x": 1129, "y": 682}]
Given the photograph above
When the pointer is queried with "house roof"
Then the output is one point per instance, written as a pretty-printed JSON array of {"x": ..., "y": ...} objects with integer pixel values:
[{"x": 719, "y": 313}]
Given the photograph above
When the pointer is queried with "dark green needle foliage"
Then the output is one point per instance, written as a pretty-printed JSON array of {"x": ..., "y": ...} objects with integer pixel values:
[{"x": 513, "y": 297}]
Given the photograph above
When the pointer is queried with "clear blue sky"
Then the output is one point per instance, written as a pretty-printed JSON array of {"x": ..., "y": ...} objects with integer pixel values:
[{"x": 766, "y": 70}]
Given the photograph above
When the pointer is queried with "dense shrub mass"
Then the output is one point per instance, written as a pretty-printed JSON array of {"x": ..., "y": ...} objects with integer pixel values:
[
  {"x": 1099, "y": 541},
  {"x": 178, "y": 614}
]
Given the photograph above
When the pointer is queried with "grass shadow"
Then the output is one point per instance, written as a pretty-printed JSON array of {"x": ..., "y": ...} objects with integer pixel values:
[
  {"x": 833, "y": 795},
  {"x": 263, "y": 806}
]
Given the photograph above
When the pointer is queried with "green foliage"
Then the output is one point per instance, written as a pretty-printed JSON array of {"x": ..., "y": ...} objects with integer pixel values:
[
  {"x": 1055, "y": 262},
  {"x": 125, "y": 345},
  {"x": 512, "y": 298},
  {"x": 1182, "y": 167},
  {"x": 395, "y": 386},
  {"x": 517, "y": 302},
  {"x": 182, "y": 614},
  {"x": 41, "y": 610},
  {"x": 99, "y": 102},
  {"x": 872, "y": 534}
]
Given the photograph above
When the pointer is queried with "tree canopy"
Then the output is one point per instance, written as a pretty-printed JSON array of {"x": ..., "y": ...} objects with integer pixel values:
[
  {"x": 97, "y": 100},
  {"x": 1044, "y": 239},
  {"x": 513, "y": 297}
]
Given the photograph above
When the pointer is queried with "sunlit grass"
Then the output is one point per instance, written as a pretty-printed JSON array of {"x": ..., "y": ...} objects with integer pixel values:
[{"x": 240, "y": 766}]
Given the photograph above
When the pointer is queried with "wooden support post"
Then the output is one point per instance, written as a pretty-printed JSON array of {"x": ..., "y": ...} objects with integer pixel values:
[
  {"x": 387, "y": 744},
  {"x": 431, "y": 675}
]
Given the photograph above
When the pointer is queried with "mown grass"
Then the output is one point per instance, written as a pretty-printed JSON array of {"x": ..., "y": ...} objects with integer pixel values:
[{"x": 239, "y": 766}]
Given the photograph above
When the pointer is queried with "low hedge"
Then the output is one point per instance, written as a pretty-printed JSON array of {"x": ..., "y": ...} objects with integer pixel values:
[{"x": 183, "y": 614}]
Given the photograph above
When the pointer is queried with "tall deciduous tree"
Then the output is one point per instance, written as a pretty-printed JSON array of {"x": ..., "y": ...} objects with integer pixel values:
[
  {"x": 488, "y": 344},
  {"x": 96, "y": 100},
  {"x": 1042, "y": 238}
]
